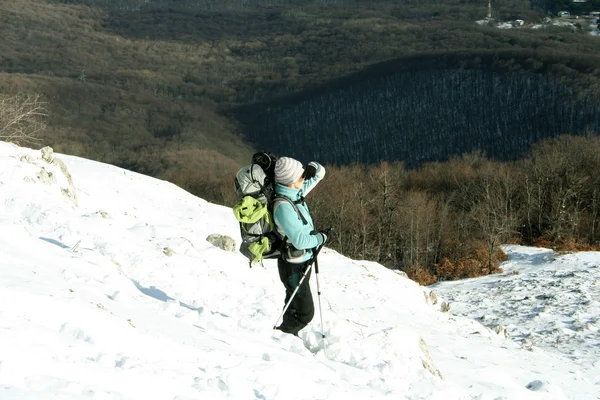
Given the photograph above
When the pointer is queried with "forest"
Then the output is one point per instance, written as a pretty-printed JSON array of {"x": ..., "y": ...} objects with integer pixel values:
[
  {"x": 442, "y": 137},
  {"x": 417, "y": 110},
  {"x": 446, "y": 220}
]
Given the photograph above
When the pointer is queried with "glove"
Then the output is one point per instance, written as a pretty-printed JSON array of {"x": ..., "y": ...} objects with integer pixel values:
[
  {"x": 310, "y": 171},
  {"x": 322, "y": 237}
]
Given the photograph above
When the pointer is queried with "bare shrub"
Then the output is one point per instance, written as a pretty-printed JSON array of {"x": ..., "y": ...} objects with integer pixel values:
[
  {"x": 421, "y": 275},
  {"x": 22, "y": 118},
  {"x": 544, "y": 241},
  {"x": 476, "y": 263},
  {"x": 446, "y": 270},
  {"x": 471, "y": 268}
]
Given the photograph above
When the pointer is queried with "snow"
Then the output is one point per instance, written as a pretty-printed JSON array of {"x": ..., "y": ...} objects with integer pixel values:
[
  {"x": 547, "y": 22},
  {"x": 504, "y": 25},
  {"x": 546, "y": 301},
  {"x": 110, "y": 290}
]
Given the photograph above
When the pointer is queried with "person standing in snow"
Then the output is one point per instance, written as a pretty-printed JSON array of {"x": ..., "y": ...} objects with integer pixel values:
[{"x": 294, "y": 181}]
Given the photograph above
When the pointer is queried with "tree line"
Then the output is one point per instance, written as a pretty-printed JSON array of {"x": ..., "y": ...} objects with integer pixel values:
[{"x": 446, "y": 220}]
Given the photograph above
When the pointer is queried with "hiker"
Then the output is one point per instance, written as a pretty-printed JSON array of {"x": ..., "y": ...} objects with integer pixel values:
[{"x": 294, "y": 181}]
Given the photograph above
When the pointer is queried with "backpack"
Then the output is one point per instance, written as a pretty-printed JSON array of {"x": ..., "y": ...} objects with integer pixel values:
[{"x": 255, "y": 189}]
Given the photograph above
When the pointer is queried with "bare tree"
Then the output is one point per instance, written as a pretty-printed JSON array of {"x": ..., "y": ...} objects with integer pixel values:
[
  {"x": 22, "y": 117},
  {"x": 560, "y": 178},
  {"x": 491, "y": 206},
  {"x": 416, "y": 229},
  {"x": 385, "y": 180}
]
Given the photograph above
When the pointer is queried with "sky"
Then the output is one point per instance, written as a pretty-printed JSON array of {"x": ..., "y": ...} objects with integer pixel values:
[{"x": 110, "y": 290}]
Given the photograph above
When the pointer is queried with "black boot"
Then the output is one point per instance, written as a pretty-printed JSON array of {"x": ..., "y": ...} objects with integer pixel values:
[{"x": 282, "y": 329}]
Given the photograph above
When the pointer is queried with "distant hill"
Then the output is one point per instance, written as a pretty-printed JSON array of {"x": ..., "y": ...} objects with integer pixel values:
[{"x": 428, "y": 108}]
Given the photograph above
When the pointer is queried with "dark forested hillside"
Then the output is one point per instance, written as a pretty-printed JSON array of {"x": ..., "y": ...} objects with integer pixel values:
[{"x": 427, "y": 109}]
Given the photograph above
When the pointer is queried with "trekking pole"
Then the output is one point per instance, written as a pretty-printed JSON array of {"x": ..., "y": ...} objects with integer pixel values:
[
  {"x": 292, "y": 296},
  {"x": 320, "y": 308},
  {"x": 298, "y": 287}
]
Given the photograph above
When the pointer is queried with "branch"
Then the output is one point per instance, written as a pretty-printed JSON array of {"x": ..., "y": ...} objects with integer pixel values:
[{"x": 21, "y": 118}]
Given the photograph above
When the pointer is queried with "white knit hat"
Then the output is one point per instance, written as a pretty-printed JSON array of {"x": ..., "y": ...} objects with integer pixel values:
[{"x": 288, "y": 170}]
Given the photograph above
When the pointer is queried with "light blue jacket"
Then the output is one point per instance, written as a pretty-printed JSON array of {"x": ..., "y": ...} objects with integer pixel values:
[{"x": 289, "y": 224}]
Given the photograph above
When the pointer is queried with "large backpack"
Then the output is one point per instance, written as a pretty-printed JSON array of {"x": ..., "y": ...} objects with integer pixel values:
[{"x": 255, "y": 189}]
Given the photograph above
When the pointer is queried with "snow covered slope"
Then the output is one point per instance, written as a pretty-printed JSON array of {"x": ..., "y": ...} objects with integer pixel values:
[
  {"x": 546, "y": 301},
  {"x": 109, "y": 290}
]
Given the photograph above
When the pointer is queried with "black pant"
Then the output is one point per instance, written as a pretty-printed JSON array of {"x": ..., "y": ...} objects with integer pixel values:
[{"x": 302, "y": 310}]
